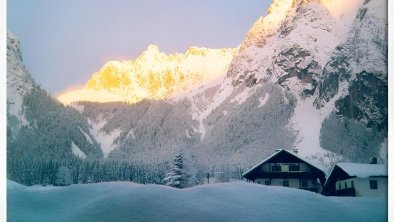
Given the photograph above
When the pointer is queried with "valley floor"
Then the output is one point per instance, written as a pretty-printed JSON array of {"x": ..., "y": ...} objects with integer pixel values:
[{"x": 238, "y": 201}]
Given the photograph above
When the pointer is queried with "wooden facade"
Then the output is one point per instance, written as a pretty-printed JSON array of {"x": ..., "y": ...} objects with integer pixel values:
[{"x": 286, "y": 168}]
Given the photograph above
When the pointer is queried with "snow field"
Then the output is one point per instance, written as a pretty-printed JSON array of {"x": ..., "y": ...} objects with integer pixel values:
[
  {"x": 77, "y": 151},
  {"x": 239, "y": 201},
  {"x": 106, "y": 140}
]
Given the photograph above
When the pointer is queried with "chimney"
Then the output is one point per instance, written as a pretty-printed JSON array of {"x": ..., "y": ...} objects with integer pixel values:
[
  {"x": 373, "y": 160},
  {"x": 295, "y": 150}
]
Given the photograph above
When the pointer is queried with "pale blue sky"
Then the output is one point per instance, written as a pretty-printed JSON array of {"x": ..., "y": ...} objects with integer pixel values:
[{"x": 64, "y": 42}]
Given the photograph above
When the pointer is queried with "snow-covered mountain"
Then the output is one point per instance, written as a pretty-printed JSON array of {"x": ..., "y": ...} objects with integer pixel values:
[
  {"x": 331, "y": 55},
  {"x": 38, "y": 126},
  {"x": 153, "y": 75},
  {"x": 310, "y": 75}
]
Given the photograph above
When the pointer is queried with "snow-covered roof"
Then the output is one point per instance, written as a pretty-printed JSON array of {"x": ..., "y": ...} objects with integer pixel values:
[
  {"x": 276, "y": 153},
  {"x": 363, "y": 170}
]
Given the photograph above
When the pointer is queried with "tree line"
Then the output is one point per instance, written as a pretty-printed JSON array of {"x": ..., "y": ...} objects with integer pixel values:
[{"x": 32, "y": 171}]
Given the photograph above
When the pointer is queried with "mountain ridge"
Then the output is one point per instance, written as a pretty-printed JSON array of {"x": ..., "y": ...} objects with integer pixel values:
[{"x": 153, "y": 75}]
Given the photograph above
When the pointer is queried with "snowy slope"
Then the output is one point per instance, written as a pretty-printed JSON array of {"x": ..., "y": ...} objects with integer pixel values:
[
  {"x": 122, "y": 201},
  {"x": 106, "y": 140},
  {"x": 77, "y": 151}
]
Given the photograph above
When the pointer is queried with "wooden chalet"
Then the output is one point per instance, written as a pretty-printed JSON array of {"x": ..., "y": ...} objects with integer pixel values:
[
  {"x": 359, "y": 180},
  {"x": 286, "y": 168}
]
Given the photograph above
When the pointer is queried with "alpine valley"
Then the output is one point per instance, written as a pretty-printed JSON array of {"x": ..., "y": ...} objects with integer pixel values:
[{"x": 311, "y": 75}]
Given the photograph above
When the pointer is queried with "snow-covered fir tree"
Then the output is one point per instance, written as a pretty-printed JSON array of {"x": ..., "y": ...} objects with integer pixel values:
[
  {"x": 177, "y": 177},
  {"x": 63, "y": 176}
]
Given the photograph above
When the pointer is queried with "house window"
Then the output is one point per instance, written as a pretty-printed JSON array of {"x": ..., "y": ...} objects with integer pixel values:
[
  {"x": 304, "y": 183},
  {"x": 294, "y": 167},
  {"x": 268, "y": 182},
  {"x": 373, "y": 184},
  {"x": 286, "y": 183},
  {"x": 345, "y": 185},
  {"x": 339, "y": 186},
  {"x": 276, "y": 168},
  {"x": 352, "y": 184}
]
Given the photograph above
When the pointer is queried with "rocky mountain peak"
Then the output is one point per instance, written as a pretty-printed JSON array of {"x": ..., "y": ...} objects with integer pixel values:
[
  {"x": 267, "y": 25},
  {"x": 151, "y": 50},
  {"x": 153, "y": 75}
]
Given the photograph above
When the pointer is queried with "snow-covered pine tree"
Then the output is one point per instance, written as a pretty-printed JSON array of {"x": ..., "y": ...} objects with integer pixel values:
[
  {"x": 177, "y": 177},
  {"x": 63, "y": 176}
]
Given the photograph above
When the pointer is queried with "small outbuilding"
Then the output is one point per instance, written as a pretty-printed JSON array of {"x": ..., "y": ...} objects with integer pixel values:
[
  {"x": 358, "y": 180},
  {"x": 286, "y": 168}
]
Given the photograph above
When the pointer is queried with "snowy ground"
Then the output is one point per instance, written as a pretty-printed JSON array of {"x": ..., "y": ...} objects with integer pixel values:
[{"x": 123, "y": 201}]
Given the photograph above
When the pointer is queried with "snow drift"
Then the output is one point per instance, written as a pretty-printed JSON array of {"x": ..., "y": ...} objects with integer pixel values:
[{"x": 122, "y": 201}]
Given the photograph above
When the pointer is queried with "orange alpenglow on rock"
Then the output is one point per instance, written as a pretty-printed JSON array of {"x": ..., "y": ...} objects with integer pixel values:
[{"x": 153, "y": 75}]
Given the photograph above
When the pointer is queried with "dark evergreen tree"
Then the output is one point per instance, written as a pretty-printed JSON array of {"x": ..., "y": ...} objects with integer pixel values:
[
  {"x": 177, "y": 177},
  {"x": 63, "y": 176}
]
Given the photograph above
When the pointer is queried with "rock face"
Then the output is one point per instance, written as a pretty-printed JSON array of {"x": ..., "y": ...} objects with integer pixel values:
[{"x": 19, "y": 81}]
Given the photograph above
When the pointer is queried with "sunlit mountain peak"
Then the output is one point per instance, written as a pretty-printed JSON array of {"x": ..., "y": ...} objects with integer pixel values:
[
  {"x": 342, "y": 8},
  {"x": 153, "y": 48},
  {"x": 267, "y": 25},
  {"x": 344, "y": 11},
  {"x": 153, "y": 75}
]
